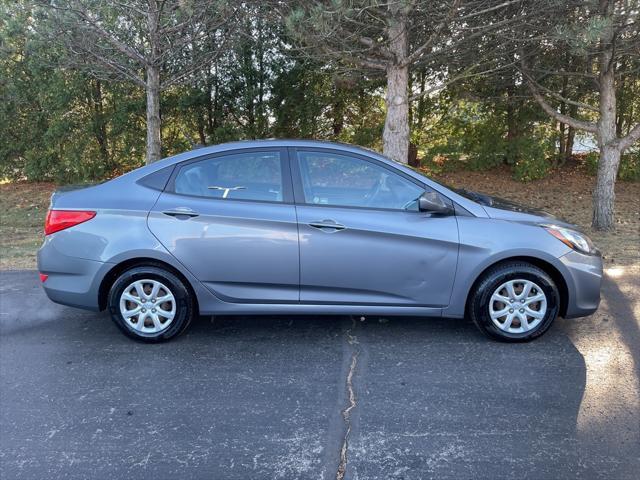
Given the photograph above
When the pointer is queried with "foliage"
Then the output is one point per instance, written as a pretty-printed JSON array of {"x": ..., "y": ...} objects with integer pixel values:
[
  {"x": 67, "y": 125},
  {"x": 629, "y": 169},
  {"x": 476, "y": 136},
  {"x": 591, "y": 162},
  {"x": 532, "y": 159}
]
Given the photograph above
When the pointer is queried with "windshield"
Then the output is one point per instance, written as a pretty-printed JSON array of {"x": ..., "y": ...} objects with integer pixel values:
[{"x": 478, "y": 197}]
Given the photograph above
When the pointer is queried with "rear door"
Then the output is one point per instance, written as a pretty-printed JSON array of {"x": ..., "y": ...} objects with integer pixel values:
[
  {"x": 230, "y": 219},
  {"x": 362, "y": 238}
]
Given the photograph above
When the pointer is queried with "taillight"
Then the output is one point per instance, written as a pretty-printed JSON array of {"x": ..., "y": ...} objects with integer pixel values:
[
  {"x": 60, "y": 219},
  {"x": 43, "y": 277}
]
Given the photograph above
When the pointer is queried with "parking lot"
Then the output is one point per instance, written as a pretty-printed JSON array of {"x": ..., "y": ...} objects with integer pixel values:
[{"x": 316, "y": 397}]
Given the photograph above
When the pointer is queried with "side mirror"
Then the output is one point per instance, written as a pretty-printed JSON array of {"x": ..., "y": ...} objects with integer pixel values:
[{"x": 433, "y": 202}]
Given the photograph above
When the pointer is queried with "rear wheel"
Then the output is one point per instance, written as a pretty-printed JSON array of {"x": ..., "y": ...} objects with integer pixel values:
[
  {"x": 514, "y": 302},
  {"x": 150, "y": 304}
]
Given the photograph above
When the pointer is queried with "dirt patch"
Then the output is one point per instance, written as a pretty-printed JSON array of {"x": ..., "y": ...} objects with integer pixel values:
[{"x": 566, "y": 193}]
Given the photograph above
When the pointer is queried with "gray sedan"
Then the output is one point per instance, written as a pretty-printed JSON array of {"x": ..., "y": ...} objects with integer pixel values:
[{"x": 305, "y": 227}]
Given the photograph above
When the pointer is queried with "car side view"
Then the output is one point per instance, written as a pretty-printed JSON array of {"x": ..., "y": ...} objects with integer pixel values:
[{"x": 307, "y": 227}]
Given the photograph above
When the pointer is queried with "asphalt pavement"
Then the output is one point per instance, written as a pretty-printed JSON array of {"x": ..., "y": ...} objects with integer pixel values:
[{"x": 316, "y": 397}]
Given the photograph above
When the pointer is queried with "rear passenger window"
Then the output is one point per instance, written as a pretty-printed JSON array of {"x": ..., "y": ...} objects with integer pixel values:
[{"x": 240, "y": 176}]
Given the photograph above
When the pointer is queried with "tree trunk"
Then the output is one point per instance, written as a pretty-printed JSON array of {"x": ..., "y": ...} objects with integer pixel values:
[
  {"x": 201, "y": 134},
  {"x": 100, "y": 124},
  {"x": 621, "y": 95},
  {"x": 337, "y": 107},
  {"x": 568, "y": 151},
  {"x": 413, "y": 155},
  {"x": 604, "y": 194},
  {"x": 395, "y": 137},
  {"x": 396, "y": 125},
  {"x": 571, "y": 136},
  {"x": 512, "y": 129},
  {"x": 212, "y": 94},
  {"x": 562, "y": 145},
  {"x": 422, "y": 102},
  {"x": 154, "y": 139},
  {"x": 154, "y": 143},
  {"x": 337, "y": 112}
]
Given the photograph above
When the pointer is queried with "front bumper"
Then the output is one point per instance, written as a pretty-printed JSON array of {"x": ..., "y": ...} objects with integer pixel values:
[{"x": 584, "y": 278}]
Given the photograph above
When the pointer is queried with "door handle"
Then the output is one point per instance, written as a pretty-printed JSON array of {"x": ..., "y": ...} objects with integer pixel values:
[
  {"x": 181, "y": 211},
  {"x": 327, "y": 225}
]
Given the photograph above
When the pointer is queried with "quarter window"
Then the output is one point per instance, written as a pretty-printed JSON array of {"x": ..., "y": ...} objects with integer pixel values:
[
  {"x": 343, "y": 180},
  {"x": 242, "y": 176}
]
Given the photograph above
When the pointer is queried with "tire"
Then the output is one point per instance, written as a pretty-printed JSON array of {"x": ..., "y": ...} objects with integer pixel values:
[
  {"x": 482, "y": 302},
  {"x": 156, "y": 323}
]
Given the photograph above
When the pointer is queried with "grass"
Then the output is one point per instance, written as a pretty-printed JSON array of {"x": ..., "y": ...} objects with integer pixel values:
[
  {"x": 23, "y": 207},
  {"x": 566, "y": 193}
]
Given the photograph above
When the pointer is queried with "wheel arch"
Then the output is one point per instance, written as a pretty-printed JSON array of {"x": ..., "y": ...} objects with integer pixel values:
[
  {"x": 544, "y": 265},
  {"x": 119, "y": 268}
]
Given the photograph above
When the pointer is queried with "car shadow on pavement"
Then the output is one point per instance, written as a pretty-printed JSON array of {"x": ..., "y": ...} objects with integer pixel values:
[{"x": 626, "y": 320}]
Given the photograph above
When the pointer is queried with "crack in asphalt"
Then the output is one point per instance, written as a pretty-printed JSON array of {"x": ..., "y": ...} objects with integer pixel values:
[{"x": 352, "y": 340}]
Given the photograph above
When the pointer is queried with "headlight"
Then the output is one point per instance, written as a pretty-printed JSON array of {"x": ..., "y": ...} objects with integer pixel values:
[{"x": 576, "y": 240}]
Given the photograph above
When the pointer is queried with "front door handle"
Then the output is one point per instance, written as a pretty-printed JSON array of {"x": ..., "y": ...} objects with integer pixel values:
[
  {"x": 327, "y": 225},
  {"x": 181, "y": 211}
]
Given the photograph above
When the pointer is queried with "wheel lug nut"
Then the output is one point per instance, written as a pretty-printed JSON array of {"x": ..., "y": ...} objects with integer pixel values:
[
  {"x": 511, "y": 310},
  {"x": 511, "y": 300},
  {"x": 144, "y": 310},
  {"x": 522, "y": 301},
  {"x": 153, "y": 310},
  {"x": 522, "y": 310},
  {"x": 153, "y": 300}
]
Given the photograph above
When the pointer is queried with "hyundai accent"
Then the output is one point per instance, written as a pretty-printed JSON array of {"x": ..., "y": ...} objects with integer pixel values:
[{"x": 305, "y": 227}]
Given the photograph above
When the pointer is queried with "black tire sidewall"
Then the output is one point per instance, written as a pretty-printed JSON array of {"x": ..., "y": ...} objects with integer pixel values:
[
  {"x": 480, "y": 302},
  {"x": 184, "y": 302}
]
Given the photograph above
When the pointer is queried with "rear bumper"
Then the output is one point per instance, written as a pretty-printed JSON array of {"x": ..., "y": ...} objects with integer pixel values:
[
  {"x": 584, "y": 278},
  {"x": 71, "y": 281}
]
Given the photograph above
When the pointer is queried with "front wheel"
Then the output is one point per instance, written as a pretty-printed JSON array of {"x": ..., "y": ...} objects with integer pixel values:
[
  {"x": 150, "y": 304},
  {"x": 514, "y": 302}
]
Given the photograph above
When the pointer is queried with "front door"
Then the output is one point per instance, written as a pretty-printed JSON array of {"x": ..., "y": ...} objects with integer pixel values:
[
  {"x": 230, "y": 220},
  {"x": 362, "y": 238}
]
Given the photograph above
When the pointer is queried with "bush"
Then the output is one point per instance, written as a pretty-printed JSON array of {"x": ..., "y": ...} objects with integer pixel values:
[
  {"x": 629, "y": 165},
  {"x": 485, "y": 144},
  {"x": 531, "y": 158},
  {"x": 534, "y": 167},
  {"x": 591, "y": 162}
]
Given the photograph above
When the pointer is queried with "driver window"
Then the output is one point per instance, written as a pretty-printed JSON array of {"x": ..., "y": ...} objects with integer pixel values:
[{"x": 342, "y": 180}]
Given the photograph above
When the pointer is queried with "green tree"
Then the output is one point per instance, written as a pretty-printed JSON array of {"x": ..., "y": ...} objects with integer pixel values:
[
  {"x": 605, "y": 36},
  {"x": 155, "y": 44},
  {"x": 389, "y": 39}
]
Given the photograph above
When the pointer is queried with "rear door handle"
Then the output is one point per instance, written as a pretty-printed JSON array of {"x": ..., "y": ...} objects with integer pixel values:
[
  {"x": 327, "y": 225},
  {"x": 181, "y": 211}
]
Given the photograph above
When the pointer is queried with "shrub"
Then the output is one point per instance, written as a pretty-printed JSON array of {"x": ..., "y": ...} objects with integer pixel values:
[
  {"x": 629, "y": 165},
  {"x": 591, "y": 162},
  {"x": 531, "y": 158}
]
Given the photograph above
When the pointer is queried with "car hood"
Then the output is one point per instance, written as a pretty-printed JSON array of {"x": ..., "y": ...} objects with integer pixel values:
[{"x": 502, "y": 209}]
